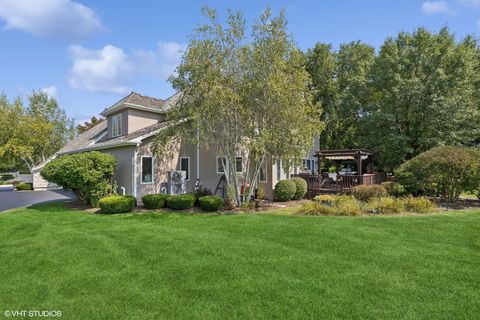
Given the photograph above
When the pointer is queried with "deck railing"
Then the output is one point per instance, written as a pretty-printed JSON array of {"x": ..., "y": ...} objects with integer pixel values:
[{"x": 343, "y": 183}]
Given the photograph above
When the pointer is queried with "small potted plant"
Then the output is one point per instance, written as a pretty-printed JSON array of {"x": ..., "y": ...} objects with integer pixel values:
[{"x": 332, "y": 173}]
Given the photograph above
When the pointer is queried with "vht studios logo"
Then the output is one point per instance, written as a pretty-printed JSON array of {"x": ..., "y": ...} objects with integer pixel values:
[{"x": 32, "y": 313}]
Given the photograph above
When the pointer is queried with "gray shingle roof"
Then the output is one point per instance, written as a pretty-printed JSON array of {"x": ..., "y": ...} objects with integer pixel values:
[
  {"x": 87, "y": 138},
  {"x": 136, "y": 98}
]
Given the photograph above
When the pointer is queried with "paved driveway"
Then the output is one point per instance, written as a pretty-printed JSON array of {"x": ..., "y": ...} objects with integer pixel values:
[{"x": 10, "y": 199}]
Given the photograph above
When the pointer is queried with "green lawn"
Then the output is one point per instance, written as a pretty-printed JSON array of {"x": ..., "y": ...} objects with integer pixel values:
[{"x": 156, "y": 266}]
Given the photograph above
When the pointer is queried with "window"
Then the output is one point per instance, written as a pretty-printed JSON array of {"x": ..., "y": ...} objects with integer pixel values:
[
  {"x": 279, "y": 170},
  {"x": 262, "y": 175},
  {"x": 309, "y": 164},
  {"x": 117, "y": 125},
  {"x": 222, "y": 164},
  {"x": 239, "y": 164},
  {"x": 185, "y": 166},
  {"x": 147, "y": 170}
]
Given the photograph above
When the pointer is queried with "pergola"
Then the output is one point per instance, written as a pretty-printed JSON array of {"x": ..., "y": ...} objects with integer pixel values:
[{"x": 346, "y": 154}]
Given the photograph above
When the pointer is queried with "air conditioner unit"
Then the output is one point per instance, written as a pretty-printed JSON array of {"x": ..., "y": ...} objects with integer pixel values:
[{"x": 176, "y": 182}]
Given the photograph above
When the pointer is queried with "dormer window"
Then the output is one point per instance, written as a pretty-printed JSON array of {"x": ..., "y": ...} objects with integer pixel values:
[{"x": 117, "y": 125}]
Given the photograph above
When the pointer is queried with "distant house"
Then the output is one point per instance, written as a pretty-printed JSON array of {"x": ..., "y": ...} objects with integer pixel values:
[{"x": 128, "y": 132}]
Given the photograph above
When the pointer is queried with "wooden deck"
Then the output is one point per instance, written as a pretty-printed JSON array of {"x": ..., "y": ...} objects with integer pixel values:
[{"x": 317, "y": 184}]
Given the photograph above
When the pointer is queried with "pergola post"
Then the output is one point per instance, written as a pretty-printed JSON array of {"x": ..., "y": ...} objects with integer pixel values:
[{"x": 358, "y": 160}]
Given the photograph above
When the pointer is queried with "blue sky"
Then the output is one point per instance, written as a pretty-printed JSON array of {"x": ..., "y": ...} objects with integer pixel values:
[{"x": 89, "y": 54}]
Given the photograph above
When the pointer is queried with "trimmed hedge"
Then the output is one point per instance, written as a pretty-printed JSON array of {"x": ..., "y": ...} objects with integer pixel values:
[
  {"x": 154, "y": 201},
  {"x": 117, "y": 204},
  {"x": 367, "y": 192},
  {"x": 181, "y": 202},
  {"x": 211, "y": 203},
  {"x": 24, "y": 186},
  {"x": 285, "y": 190},
  {"x": 441, "y": 171},
  {"x": 301, "y": 188},
  {"x": 394, "y": 189}
]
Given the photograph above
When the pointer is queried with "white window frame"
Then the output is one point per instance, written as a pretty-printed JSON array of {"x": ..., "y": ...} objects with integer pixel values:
[
  {"x": 117, "y": 125},
  {"x": 266, "y": 172},
  {"x": 188, "y": 169},
  {"x": 236, "y": 158},
  {"x": 153, "y": 170},
  {"x": 217, "y": 167}
]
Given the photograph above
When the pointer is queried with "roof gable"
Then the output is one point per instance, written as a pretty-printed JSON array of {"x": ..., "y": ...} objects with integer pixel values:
[{"x": 136, "y": 101}]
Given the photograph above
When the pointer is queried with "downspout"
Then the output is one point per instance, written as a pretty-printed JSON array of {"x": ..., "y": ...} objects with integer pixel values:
[
  {"x": 134, "y": 169},
  {"x": 198, "y": 158}
]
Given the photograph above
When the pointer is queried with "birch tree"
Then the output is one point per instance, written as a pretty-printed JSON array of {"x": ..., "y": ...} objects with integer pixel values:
[{"x": 243, "y": 96}]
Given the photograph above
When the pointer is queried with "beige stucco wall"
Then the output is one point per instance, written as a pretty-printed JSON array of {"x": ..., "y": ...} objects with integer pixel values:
[
  {"x": 124, "y": 171},
  {"x": 133, "y": 120},
  {"x": 138, "y": 119},
  {"x": 209, "y": 177}
]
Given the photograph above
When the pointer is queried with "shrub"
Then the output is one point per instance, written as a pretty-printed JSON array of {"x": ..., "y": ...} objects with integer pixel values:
[
  {"x": 89, "y": 174},
  {"x": 116, "y": 204},
  {"x": 6, "y": 177},
  {"x": 366, "y": 192},
  {"x": 325, "y": 198},
  {"x": 332, "y": 169},
  {"x": 301, "y": 188},
  {"x": 181, "y": 202},
  {"x": 211, "y": 203},
  {"x": 201, "y": 191},
  {"x": 154, "y": 201},
  {"x": 418, "y": 204},
  {"x": 443, "y": 171},
  {"x": 394, "y": 189},
  {"x": 24, "y": 186},
  {"x": 285, "y": 190},
  {"x": 260, "y": 192},
  {"x": 333, "y": 205},
  {"x": 386, "y": 205}
]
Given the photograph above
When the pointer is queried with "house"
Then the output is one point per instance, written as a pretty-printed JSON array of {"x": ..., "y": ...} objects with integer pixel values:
[{"x": 128, "y": 133}]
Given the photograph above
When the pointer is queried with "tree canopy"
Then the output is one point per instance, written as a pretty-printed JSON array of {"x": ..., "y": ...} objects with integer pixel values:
[
  {"x": 245, "y": 96},
  {"x": 87, "y": 125},
  {"x": 30, "y": 134},
  {"x": 419, "y": 91}
]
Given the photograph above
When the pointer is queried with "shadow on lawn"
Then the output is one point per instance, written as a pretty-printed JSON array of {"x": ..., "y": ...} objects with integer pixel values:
[{"x": 460, "y": 204}]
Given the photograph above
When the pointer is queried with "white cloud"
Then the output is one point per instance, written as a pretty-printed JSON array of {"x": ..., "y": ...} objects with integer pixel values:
[
  {"x": 51, "y": 91},
  {"x": 50, "y": 18},
  {"x": 112, "y": 70},
  {"x": 105, "y": 70},
  {"x": 431, "y": 7}
]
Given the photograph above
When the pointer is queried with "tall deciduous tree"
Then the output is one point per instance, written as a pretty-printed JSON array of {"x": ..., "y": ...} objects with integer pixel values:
[
  {"x": 426, "y": 90},
  {"x": 340, "y": 80},
  {"x": 10, "y": 114},
  {"x": 244, "y": 96},
  {"x": 87, "y": 125},
  {"x": 39, "y": 130}
]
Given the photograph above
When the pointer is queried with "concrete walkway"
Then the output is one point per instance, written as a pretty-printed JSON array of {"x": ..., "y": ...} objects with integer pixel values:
[{"x": 10, "y": 199}]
